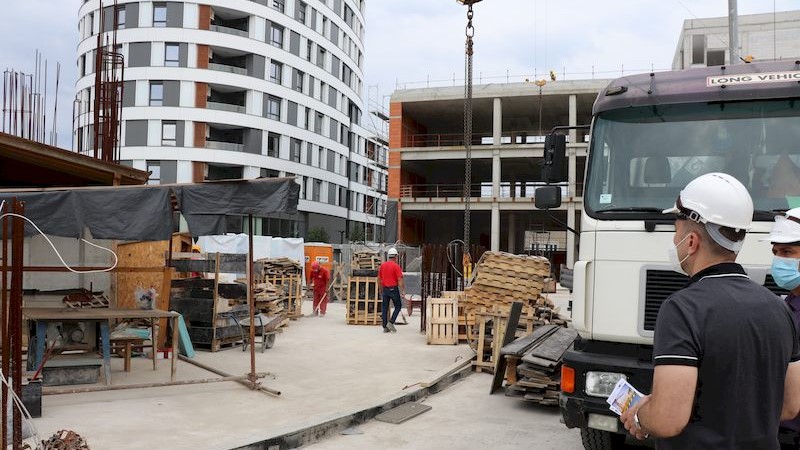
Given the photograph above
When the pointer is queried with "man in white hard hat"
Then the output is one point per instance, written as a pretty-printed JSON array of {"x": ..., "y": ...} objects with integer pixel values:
[
  {"x": 725, "y": 347},
  {"x": 391, "y": 278},
  {"x": 785, "y": 239}
]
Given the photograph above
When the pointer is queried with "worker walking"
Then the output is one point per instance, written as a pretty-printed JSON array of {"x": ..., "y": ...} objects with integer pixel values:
[
  {"x": 725, "y": 348},
  {"x": 320, "y": 276},
  {"x": 391, "y": 278},
  {"x": 785, "y": 239}
]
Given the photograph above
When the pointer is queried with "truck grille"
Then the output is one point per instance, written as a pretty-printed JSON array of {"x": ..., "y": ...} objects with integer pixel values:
[{"x": 662, "y": 283}]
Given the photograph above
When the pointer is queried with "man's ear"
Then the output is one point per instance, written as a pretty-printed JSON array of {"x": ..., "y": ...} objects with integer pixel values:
[{"x": 694, "y": 241}]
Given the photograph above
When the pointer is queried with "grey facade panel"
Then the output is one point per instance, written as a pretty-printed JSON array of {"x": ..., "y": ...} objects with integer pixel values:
[
  {"x": 256, "y": 65},
  {"x": 313, "y": 24},
  {"x": 331, "y": 167},
  {"x": 391, "y": 222},
  {"x": 135, "y": 133},
  {"x": 139, "y": 54},
  {"x": 175, "y": 15},
  {"x": 169, "y": 171},
  {"x": 129, "y": 94},
  {"x": 294, "y": 43},
  {"x": 172, "y": 93},
  {"x": 332, "y": 194},
  {"x": 291, "y": 111},
  {"x": 335, "y": 226},
  {"x": 183, "y": 54},
  {"x": 268, "y": 34},
  {"x": 131, "y": 15},
  {"x": 252, "y": 141},
  {"x": 180, "y": 131},
  {"x": 108, "y": 18},
  {"x": 334, "y": 34},
  {"x": 337, "y": 7},
  {"x": 334, "y": 129},
  {"x": 336, "y": 66},
  {"x": 332, "y": 94}
]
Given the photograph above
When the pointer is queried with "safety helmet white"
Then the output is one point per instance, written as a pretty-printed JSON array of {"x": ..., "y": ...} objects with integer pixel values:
[
  {"x": 392, "y": 252},
  {"x": 716, "y": 198},
  {"x": 786, "y": 229}
]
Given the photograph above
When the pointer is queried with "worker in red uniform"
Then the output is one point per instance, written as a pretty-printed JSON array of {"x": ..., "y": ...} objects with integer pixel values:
[
  {"x": 391, "y": 278},
  {"x": 320, "y": 277}
]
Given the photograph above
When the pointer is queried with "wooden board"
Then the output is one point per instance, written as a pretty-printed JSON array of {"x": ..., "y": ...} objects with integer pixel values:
[
  {"x": 145, "y": 254},
  {"x": 523, "y": 344},
  {"x": 554, "y": 347},
  {"x": 508, "y": 336}
]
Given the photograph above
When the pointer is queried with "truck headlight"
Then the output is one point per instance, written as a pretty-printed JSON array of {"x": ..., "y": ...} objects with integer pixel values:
[{"x": 600, "y": 384}]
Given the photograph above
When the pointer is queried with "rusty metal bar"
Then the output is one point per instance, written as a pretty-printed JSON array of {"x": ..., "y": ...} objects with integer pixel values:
[
  {"x": 6, "y": 340},
  {"x": 251, "y": 300},
  {"x": 224, "y": 374},
  {"x": 15, "y": 313},
  {"x": 57, "y": 391}
]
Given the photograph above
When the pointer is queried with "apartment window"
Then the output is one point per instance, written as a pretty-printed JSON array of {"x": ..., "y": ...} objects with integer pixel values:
[
  {"x": 295, "y": 150},
  {"x": 698, "y": 48},
  {"x": 156, "y": 93},
  {"x": 715, "y": 58},
  {"x": 320, "y": 157},
  {"x": 160, "y": 15},
  {"x": 309, "y": 49},
  {"x": 280, "y": 5},
  {"x": 318, "y": 123},
  {"x": 154, "y": 167},
  {"x": 276, "y": 72},
  {"x": 274, "y": 145},
  {"x": 273, "y": 108},
  {"x": 300, "y": 12},
  {"x": 277, "y": 36},
  {"x": 121, "y": 17},
  {"x": 172, "y": 52},
  {"x": 321, "y": 56},
  {"x": 169, "y": 131},
  {"x": 316, "y": 190},
  {"x": 299, "y": 80}
]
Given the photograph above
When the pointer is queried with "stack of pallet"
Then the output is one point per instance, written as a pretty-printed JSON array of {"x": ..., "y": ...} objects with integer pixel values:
[
  {"x": 268, "y": 299},
  {"x": 533, "y": 364},
  {"x": 278, "y": 266},
  {"x": 286, "y": 276},
  {"x": 366, "y": 260},
  {"x": 502, "y": 278}
]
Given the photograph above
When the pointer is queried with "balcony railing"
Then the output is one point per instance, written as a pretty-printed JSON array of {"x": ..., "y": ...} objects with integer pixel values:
[
  {"x": 483, "y": 190},
  {"x": 457, "y": 140},
  {"x": 220, "y": 145},
  {"x": 229, "y": 30},
  {"x": 227, "y": 68},
  {"x": 226, "y": 107}
]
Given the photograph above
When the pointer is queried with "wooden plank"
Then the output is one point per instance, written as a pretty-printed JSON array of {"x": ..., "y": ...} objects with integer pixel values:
[
  {"x": 523, "y": 344},
  {"x": 508, "y": 336},
  {"x": 555, "y": 346}
]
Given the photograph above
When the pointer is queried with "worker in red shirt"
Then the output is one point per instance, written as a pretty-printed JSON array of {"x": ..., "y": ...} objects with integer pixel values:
[
  {"x": 391, "y": 278},
  {"x": 319, "y": 279}
]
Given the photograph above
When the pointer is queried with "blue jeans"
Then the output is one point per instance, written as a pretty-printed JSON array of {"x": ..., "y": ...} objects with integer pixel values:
[{"x": 394, "y": 294}]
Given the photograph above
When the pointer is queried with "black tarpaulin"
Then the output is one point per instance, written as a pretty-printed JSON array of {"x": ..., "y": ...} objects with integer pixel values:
[{"x": 144, "y": 213}]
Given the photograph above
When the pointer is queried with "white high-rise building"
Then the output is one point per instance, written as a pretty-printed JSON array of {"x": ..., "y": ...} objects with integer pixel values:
[{"x": 244, "y": 89}]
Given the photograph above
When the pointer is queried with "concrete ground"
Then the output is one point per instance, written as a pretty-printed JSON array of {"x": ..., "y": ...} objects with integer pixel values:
[{"x": 325, "y": 369}]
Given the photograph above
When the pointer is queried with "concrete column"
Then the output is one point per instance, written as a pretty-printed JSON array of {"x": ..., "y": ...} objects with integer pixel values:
[
  {"x": 497, "y": 130},
  {"x": 512, "y": 233},
  {"x": 572, "y": 163}
]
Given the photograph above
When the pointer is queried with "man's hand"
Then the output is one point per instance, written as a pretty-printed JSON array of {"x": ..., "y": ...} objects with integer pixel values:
[{"x": 628, "y": 419}]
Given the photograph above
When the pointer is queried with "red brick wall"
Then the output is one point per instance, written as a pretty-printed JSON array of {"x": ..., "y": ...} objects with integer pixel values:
[
  {"x": 205, "y": 17},
  {"x": 202, "y": 56},
  {"x": 200, "y": 134},
  {"x": 200, "y": 95}
]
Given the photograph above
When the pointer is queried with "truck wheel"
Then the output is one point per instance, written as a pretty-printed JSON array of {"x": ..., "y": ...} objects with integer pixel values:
[{"x": 601, "y": 440}]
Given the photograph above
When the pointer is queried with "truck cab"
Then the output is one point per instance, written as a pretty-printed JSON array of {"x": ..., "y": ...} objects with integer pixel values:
[{"x": 650, "y": 135}]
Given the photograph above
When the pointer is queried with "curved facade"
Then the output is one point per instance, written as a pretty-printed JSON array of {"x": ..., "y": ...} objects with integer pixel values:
[{"x": 244, "y": 89}]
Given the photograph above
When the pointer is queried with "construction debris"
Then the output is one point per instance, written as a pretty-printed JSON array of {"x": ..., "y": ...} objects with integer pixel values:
[
  {"x": 366, "y": 260},
  {"x": 65, "y": 440},
  {"x": 278, "y": 266},
  {"x": 533, "y": 370}
]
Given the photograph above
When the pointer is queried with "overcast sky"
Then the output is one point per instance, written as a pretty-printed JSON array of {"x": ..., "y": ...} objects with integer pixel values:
[{"x": 412, "y": 41}]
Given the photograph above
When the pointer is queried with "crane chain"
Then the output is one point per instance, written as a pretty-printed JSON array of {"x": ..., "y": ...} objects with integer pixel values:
[{"x": 470, "y": 32}]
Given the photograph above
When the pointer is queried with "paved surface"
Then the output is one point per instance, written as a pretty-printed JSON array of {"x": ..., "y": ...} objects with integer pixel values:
[{"x": 325, "y": 369}]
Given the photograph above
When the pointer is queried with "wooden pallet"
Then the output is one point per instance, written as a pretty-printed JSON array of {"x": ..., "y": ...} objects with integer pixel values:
[
  {"x": 363, "y": 301},
  {"x": 488, "y": 332},
  {"x": 290, "y": 287},
  {"x": 441, "y": 323}
]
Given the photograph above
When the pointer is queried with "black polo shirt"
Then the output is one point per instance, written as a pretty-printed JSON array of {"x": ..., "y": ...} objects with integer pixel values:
[{"x": 741, "y": 337}]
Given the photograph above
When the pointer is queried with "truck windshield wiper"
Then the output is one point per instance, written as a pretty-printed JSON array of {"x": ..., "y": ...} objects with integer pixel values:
[{"x": 632, "y": 209}]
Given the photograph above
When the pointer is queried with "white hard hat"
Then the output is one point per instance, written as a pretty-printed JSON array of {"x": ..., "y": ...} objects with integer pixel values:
[
  {"x": 716, "y": 198},
  {"x": 392, "y": 252},
  {"x": 786, "y": 229}
]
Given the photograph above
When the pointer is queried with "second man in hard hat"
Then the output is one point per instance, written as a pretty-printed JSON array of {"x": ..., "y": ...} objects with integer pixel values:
[
  {"x": 390, "y": 276},
  {"x": 725, "y": 348}
]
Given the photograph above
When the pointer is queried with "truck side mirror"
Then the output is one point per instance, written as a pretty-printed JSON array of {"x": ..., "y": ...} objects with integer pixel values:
[
  {"x": 555, "y": 155},
  {"x": 547, "y": 197}
]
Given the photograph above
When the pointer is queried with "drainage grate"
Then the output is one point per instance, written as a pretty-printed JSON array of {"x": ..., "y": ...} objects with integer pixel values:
[{"x": 402, "y": 413}]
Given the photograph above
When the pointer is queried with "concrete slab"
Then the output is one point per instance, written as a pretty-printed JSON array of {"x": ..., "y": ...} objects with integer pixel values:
[{"x": 323, "y": 367}]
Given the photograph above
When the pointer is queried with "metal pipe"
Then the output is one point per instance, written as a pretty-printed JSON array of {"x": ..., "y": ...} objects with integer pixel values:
[
  {"x": 47, "y": 391},
  {"x": 6, "y": 342},
  {"x": 733, "y": 32},
  {"x": 224, "y": 374},
  {"x": 251, "y": 300},
  {"x": 15, "y": 315}
]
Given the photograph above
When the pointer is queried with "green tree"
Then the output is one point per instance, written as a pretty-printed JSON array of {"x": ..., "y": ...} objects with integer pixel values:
[
  {"x": 357, "y": 233},
  {"x": 317, "y": 234}
]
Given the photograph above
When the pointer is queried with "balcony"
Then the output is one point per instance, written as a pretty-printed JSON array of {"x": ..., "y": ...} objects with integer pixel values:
[
  {"x": 480, "y": 139},
  {"x": 229, "y": 30},
  {"x": 480, "y": 191},
  {"x": 219, "y": 106},
  {"x": 221, "y": 145},
  {"x": 227, "y": 98},
  {"x": 227, "y": 68}
]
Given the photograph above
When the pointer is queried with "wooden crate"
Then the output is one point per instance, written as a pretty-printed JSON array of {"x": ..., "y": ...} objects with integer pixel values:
[
  {"x": 441, "y": 324},
  {"x": 363, "y": 301}
]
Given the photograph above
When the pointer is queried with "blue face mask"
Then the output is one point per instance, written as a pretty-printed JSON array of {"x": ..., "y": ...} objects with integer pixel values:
[{"x": 785, "y": 272}]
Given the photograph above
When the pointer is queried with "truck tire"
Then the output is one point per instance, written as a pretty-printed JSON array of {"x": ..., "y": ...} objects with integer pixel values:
[{"x": 601, "y": 440}]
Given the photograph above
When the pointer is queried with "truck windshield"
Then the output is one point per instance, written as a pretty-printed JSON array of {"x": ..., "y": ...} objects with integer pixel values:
[{"x": 640, "y": 158}]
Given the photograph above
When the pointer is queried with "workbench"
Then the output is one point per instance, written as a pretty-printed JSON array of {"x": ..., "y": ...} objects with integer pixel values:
[{"x": 102, "y": 316}]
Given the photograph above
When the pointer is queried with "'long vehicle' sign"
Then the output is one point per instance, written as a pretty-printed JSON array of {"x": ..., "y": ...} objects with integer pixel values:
[{"x": 772, "y": 77}]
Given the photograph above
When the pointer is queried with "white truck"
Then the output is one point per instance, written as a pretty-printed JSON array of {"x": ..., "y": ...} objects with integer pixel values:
[{"x": 650, "y": 135}]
